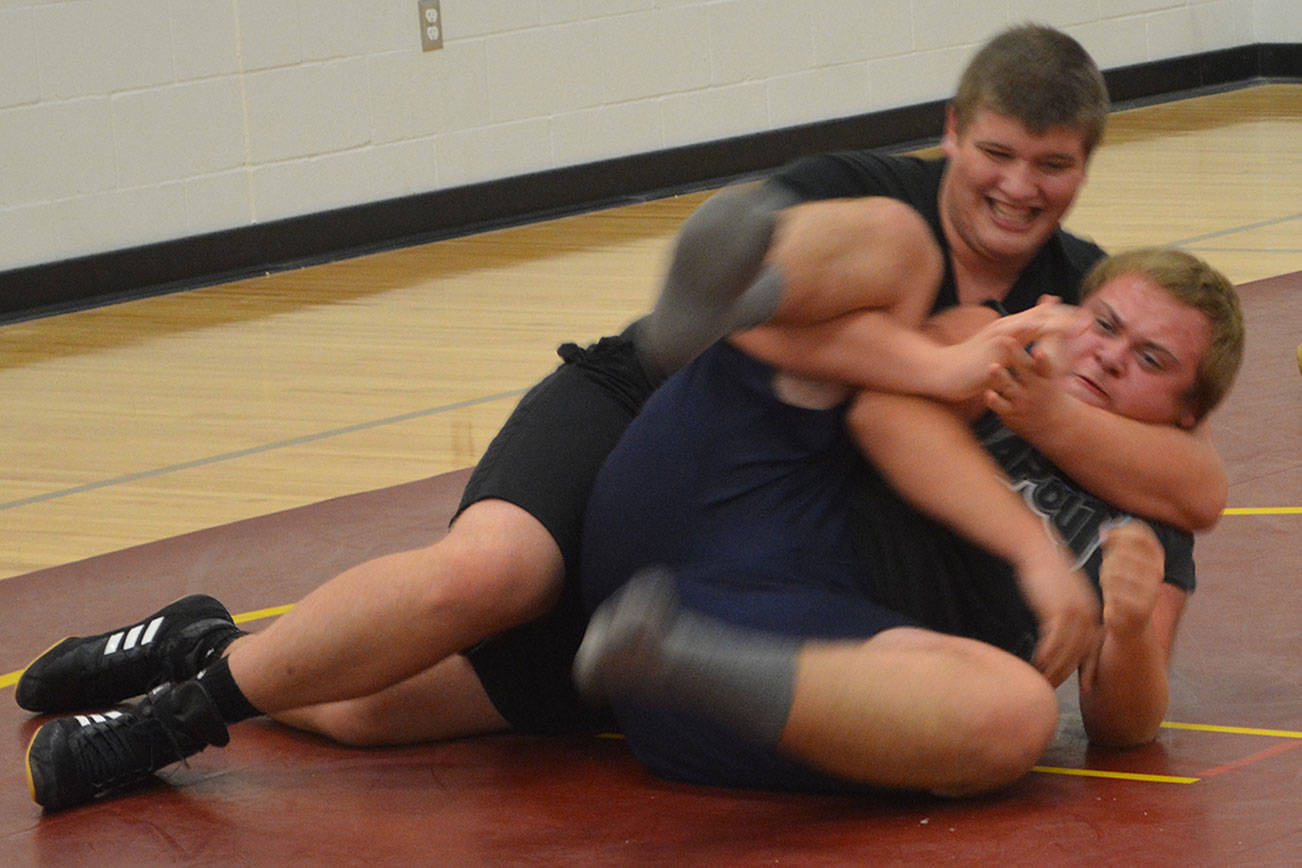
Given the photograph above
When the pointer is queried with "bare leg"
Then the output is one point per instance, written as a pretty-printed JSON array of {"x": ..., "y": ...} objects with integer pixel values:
[
  {"x": 387, "y": 620},
  {"x": 907, "y": 708},
  {"x": 846, "y": 255},
  {"x": 921, "y": 710},
  {"x": 861, "y": 275},
  {"x": 716, "y": 281},
  {"x": 444, "y": 701},
  {"x": 750, "y": 257},
  {"x": 385, "y": 623}
]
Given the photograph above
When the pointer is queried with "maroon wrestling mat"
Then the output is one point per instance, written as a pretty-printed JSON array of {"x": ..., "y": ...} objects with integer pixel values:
[{"x": 1219, "y": 787}]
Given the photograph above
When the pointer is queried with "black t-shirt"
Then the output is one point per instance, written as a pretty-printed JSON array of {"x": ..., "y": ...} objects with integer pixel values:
[
  {"x": 922, "y": 569},
  {"x": 1057, "y": 269},
  {"x": 911, "y": 563}
]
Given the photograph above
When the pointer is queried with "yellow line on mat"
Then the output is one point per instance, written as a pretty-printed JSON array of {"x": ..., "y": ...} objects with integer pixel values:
[
  {"x": 1262, "y": 510},
  {"x": 1234, "y": 730},
  {"x": 1123, "y": 776},
  {"x": 262, "y": 613}
]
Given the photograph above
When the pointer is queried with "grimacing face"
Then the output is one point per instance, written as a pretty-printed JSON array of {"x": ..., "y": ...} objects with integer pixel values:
[
  {"x": 1139, "y": 356},
  {"x": 1006, "y": 189}
]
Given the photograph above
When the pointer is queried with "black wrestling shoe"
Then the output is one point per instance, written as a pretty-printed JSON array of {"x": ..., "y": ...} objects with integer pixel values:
[
  {"x": 72, "y": 760},
  {"x": 172, "y": 644}
]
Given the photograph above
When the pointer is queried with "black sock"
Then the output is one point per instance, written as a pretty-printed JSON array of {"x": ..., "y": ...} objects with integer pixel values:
[
  {"x": 207, "y": 650},
  {"x": 231, "y": 703}
]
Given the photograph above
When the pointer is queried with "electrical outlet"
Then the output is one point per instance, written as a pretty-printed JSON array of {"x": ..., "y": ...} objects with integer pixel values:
[{"x": 431, "y": 25}]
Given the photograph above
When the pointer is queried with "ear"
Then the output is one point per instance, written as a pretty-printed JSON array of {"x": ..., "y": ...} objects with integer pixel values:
[{"x": 949, "y": 139}]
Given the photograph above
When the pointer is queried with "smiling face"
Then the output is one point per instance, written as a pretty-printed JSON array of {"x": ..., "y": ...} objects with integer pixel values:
[
  {"x": 1141, "y": 353},
  {"x": 1006, "y": 189}
]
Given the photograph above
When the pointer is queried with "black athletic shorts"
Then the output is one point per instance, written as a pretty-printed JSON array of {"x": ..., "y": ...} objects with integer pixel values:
[{"x": 544, "y": 460}]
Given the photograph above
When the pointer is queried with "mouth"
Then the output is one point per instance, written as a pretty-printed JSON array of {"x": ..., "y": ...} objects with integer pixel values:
[
  {"x": 1090, "y": 391},
  {"x": 1012, "y": 217}
]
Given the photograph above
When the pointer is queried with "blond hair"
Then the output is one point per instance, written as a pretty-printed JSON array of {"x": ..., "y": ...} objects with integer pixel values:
[{"x": 1192, "y": 282}]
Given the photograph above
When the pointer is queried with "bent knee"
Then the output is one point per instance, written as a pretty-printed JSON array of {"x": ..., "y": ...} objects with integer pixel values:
[
  {"x": 996, "y": 719},
  {"x": 834, "y": 245},
  {"x": 498, "y": 563},
  {"x": 916, "y": 259},
  {"x": 1006, "y": 732}
]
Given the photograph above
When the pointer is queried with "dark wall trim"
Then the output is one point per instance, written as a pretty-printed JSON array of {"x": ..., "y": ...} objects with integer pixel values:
[{"x": 202, "y": 260}]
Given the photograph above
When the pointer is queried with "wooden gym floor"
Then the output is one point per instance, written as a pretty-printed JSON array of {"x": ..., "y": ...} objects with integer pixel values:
[{"x": 252, "y": 439}]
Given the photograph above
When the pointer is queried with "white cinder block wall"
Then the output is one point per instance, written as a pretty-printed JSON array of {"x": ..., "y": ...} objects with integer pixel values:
[{"x": 125, "y": 122}]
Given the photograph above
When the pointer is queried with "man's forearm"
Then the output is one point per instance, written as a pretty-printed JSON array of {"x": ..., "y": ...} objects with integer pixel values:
[
  {"x": 1125, "y": 705},
  {"x": 969, "y": 492},
  {"x": 928, "y": 454},
  {"x": 1159, "y": 471}
]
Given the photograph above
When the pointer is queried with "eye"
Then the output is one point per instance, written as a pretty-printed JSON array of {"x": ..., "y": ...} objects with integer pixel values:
[
  {"x": 996, "y": 154},
  {"x": 1151, "y": 361},
  {"x": 1056, "y": 167},
  {"x": 1104, "y": 325}
]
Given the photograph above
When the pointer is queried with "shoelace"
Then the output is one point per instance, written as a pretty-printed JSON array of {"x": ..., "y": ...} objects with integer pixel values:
[{"x": 110, "y": 756}]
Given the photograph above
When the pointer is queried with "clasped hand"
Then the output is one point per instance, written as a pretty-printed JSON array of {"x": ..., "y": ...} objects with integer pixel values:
[
  {"x": 993, "y": 358},
  {"x": 1066, "y": 610}
]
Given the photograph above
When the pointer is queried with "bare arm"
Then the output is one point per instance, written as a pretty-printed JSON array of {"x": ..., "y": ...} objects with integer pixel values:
[
  {"x": 860, "y": 275},
  {"x": 872, "y": 350},
  {"x": 1171, "y": 474},
  {"x": 1124, "y": 703},
  {"x": 967, "y": 490}
]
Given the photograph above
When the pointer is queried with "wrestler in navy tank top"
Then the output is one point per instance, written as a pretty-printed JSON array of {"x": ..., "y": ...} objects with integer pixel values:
[{"x": 743, "y": 496}]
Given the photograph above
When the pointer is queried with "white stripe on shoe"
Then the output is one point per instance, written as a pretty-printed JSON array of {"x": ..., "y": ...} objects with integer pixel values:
[
  {"x": 132, "y": 636},
  {"x": 151, "y": 630},
  {"x": 89, "y": 719}
]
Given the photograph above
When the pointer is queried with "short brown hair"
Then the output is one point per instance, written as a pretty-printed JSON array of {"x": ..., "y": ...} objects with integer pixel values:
[
  {"x": 1192, "y": 282},
  {"x": 1040, "y": 76}
]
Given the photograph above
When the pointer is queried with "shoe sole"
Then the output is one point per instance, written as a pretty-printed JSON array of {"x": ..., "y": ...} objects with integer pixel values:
[
  {"x": 27, "y": 759},
  {"x": 19, "y": 683}
]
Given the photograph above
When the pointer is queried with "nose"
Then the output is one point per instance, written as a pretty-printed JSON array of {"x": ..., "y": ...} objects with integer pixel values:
[
  {"x": 1018, "y": 180},
  {"x": 1111, "y": 358}
]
